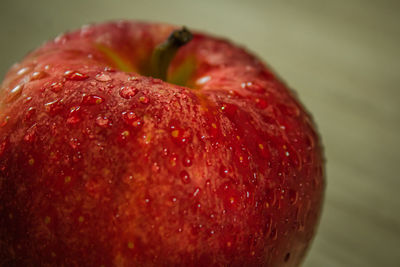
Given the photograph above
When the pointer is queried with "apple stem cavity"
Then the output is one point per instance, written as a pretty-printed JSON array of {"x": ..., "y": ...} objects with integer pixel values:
[{"x": 165, "y": 52}]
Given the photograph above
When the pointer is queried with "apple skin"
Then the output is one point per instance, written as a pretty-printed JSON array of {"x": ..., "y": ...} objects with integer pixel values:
[{"x": 105, "y": 167}]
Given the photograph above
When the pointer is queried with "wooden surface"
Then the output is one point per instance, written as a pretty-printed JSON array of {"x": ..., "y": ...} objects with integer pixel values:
[{"x": 343, "y": 59}]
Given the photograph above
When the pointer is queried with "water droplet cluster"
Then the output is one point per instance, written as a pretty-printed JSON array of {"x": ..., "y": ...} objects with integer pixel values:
[{"x": 228, "y": 166}]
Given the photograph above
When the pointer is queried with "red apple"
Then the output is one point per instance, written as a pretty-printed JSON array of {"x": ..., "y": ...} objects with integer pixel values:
[{"x": 101, "y": 164}]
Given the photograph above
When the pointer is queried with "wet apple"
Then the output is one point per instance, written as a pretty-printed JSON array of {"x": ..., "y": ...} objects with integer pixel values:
[{"x": 139, "y": 144}]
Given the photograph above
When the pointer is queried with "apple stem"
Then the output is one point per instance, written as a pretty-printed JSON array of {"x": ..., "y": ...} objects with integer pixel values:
[{"x": 165, "y": 52}]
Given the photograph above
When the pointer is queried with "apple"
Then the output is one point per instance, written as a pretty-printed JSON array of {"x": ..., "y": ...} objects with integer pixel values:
[{"x": 139, "y": 144}]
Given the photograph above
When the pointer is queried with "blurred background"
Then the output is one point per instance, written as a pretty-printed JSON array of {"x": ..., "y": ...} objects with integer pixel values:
[{"x": 343, "y": 59}]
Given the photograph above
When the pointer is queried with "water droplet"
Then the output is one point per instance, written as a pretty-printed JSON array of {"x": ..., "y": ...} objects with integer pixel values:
[
  {"x": 75, "y": 76},
  {"x": 127, "y": 92},
  {"x": 146, "y": 138},
  {"x": 224, "y": 171},
  {"x": 90, "y": 100},
  {"x": 124, "y": 136},
  {"x": 74, "y": 143},
  {"x": 133, "y": 78},
  {"x": 74, "y": 116},
  {"x": 102, "y": 77},
  {"x": 103, "y": 121},
  {"x": 23, "y": 71},
  {"x": 203, "y": 80},
  {"x": 253, "y": 86},
  {"x": 53, "y": 108},
  {"x": 144, "y": 99},
  {"x": 155, "y": 167},
  {"x": 229, "y": 109},
  {"x": 29, "y": 113},
  {"x": 15, "y": 93},
  {"x": 30, "y": 135},
  {"x": 185, "y": 178},
  {"x": 196, "y": 192},
  {"x": 187, "y": 161},
  {"x": 233, "y": 94},
  {"x": 61, "y": 39},
  {"x": 56, "y": 87},
  {"x": 173, "y": 159},
  {"x": 293, "y": 157},
  {"x": 77, "y": 157},
  {"x": 165, "y": 152},
  {"x": 180, "y": 136},
  {"x": 28, "y": 99},
  {"x": 130, "y": 118},
  {"x": 89, "y": 133},
  {"x": 128, "y": 179},
  {"x": 109, "y": 69},
  {"x": 38, "y": 75}
]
